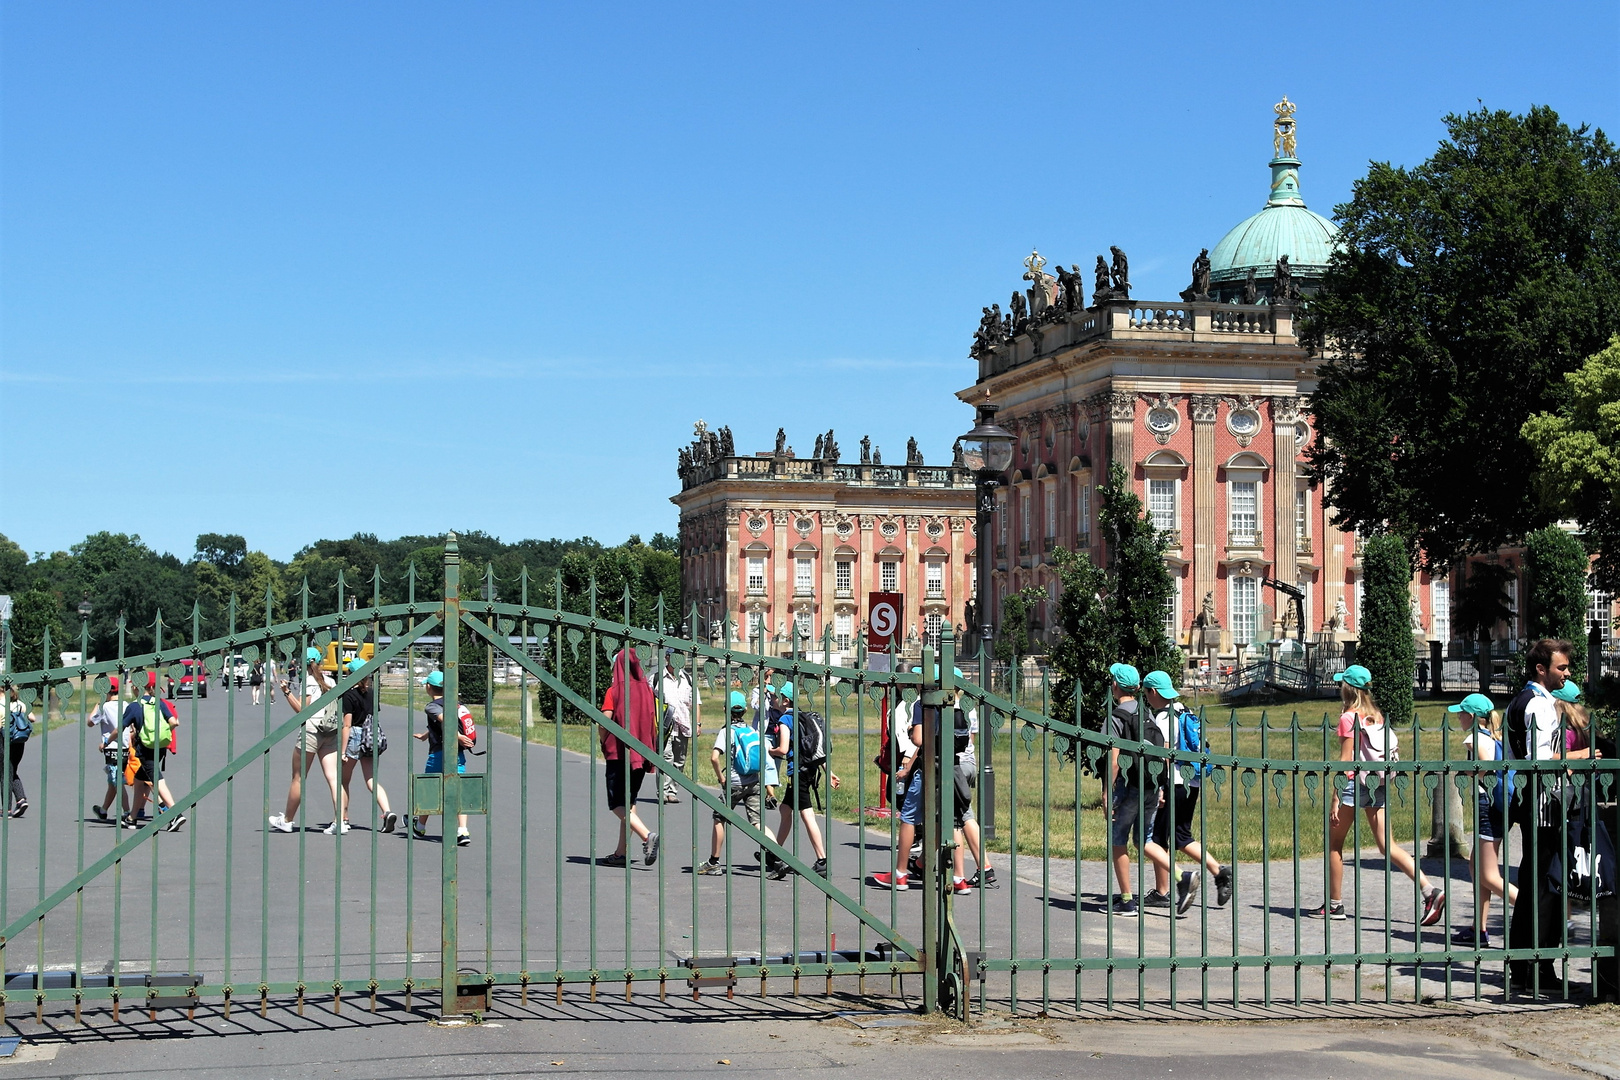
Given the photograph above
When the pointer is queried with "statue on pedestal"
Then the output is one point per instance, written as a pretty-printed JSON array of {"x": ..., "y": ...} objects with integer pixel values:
[
  {"x": 1416, "y": 614},
  {"x": 877, "y": 455},
  {"x": 728, "y": 447},
  {"x": 866, "y": 449},
  {"x": 781, "y": 442},
  {"x": 1120, "y": 274},
  {"x": 1251, "y": 291},
  {"x": 829, "y": 449},
  {"x": 1101, "y": 289},
  {"x": 817, "y": 452},
  {"x": 1284, "y": 290},
  {"x": 958, "y": 460},
  {"x": 1199, "y": 289},
  {"x": 913, "y": 455}
]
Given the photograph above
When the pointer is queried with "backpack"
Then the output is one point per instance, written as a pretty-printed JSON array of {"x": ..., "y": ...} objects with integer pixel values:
[
  {"x": 1190, "y": 739},
  {"x": 1386, "y": 747},
  {"x": 811, "y": 732},
  {"x": 963, "y": 735},
  {"x": 745, "y": 753},
  {"x": 155, "y": 730},
  {"x": 469, "y": 727},
  {"x": 18, "y": 726}
]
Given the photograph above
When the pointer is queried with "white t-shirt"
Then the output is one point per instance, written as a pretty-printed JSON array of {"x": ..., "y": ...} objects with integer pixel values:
[
  {"x": 900, "y": 725},
  {"x": 679, "y": 697},
  {"x": 108, "y": 716},
  {"x": 328, "y": 719},
  {"x": 722, "y": 743},
  {"x": 1162, "y": 721},
  {"x": 1544, "y": 740}
]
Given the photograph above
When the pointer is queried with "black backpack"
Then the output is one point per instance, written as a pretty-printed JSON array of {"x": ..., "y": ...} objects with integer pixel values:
[{"x": 810, "y": 732}]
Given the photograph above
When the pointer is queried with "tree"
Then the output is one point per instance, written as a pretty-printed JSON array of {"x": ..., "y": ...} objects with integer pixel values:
[
  {"x": 1140, "y": 586},
  {"x": 1386, "y": 647},
  {"x": 1481, "y": 603},
  {"x": 1577, "y": 452},
  {"x": 1085, "y": 645},
  {"x": 226, "y": 551},
  {"x": 1555, "y": 565},
  {"x": 33, "y": 613},
  {"x": 1463, "y": 288},
  {"x": 13, "y": 567}
]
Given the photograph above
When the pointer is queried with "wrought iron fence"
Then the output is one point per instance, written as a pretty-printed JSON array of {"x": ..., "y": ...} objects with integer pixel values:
[{"x": 228, "y": 910}]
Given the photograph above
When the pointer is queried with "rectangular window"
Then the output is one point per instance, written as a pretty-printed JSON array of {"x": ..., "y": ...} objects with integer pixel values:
[
  {"x": 756, "y": 575},
  {"x": 1244, "y": 526},
  {"x": 1302, "y": 514},
  {"x": 934, "y": 626},
  {"x": 1083, "y": 510},
  {"x": 935, "y": 578},
  {"x": 1245, "y": 599},
  {"x": 801, "y": 626},
  {"x": 1162, "y": 504},
  {"x": 1023, "y": 519},
  {"x": 1051, "y": 510},
  {"x": 1513, "y": 603},
  {"x": 1600, "y": 612},
  {"x": 843, "y": 575},
  {"x": 1440, "y": 604},
  {"x": 1172, "y": 610},
  {"x": 889, "y": 576},
  {"x": 1001, "y": 519},
  {"x": 843, "y": 631},
  {"x": 802, "y": 571}
]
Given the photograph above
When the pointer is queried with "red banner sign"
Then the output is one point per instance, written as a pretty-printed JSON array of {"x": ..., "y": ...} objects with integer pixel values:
[{"x": 883, "y": 612}]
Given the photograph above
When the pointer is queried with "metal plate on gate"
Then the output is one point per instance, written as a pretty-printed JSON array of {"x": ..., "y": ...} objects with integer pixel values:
[{"x": 427, "y": 793}]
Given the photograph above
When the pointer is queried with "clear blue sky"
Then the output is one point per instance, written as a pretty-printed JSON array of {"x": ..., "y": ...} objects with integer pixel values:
[{"x": 302, "y": 270}]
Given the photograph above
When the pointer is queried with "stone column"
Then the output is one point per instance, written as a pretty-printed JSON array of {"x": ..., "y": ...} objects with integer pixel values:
[
  {"x": 1122, "y": 428},
  {"x": 911, "y": 581},
  {"x": 1284, "y": 415},
  {"x": 1206, "y": 540},
  {"x": 781, "y": 576}
]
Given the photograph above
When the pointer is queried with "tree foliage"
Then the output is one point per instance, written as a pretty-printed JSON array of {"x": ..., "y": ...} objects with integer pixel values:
[
  {"x": 1555, "y": 565},
  {"x": 1386, "y": 647},
  {"x": 1577, "y": 453},
  {"x": 1012, "y": 642},
  {"x": 34, "y": 613},
  {"x": 1463, "y": 289},
  {"x": 1117, "y": 614}
]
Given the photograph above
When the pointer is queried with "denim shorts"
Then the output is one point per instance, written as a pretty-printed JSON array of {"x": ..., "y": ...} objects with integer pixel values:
[
  {"x": 1364, "y": 795},
  {"x": 911, "y": 805},
  {"x": 435, "y": 762},
  {"x": 1492, "y": 825}
]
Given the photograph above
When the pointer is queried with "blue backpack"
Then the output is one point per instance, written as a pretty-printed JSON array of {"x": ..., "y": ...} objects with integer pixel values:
[
  {"x": 1190, "y": 738},
  {"x": 745, "y": 749}
]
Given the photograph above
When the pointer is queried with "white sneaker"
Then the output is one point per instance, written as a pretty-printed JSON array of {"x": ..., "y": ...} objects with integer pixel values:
[
  {"x": 331, "y": 830},
  {"x": 279, "y": 823}
]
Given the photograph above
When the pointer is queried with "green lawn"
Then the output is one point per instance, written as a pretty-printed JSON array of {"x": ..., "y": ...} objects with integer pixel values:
[{"x": 1042, "y": 813}]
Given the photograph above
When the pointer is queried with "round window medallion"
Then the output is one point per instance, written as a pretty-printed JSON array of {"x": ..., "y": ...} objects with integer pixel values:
[
  {"x": 1162, "y": 419},
  {"x": 935, "y": 530},
  {"x": 1243, "y": 422},
  {"x": 756, "y": 524},
  {"x": 804, "y": 525},
  {"x": 889, "y": 529},
  {"x": 845, "y": 528},
  {"x": 1302, "y": 434}
]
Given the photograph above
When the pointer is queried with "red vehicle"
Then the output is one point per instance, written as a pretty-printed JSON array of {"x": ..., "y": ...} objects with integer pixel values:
[{"x": 193, "y": 680}]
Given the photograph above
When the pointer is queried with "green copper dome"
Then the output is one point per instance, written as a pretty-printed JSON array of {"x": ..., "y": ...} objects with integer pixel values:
[{"x": 1283, "y": 227}]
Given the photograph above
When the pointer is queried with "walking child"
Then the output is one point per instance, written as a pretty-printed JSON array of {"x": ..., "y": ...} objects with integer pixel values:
[
  {"x": 1485, "y": 744},
  {"x": 737, "y": 759},
  {"x": 434, "y": 735}
]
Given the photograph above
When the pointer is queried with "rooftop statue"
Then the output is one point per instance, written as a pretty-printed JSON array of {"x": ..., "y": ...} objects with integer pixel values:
[
  {"x": 877, "y": 455},
  {"x": 866, "y": 449},
  {"x": 1120, "y": 273},
  {"x": 1199, "y": 289},
  {"x": 1284, "y": 290},
  {"x": 1101, "y": 290},
  {"x": 1040, "y": 293},
  {"x": 1282, "y": 139},
  {"x": 829, "y": 449},
  {"x": 781, "y": 442},
  {"x": 1251, "y": 291},
  {"x": 913, "y": 455},
  {"x": 957, "y": 458},
  {"x": 728, "y": 447},
  {"x": 817, "y": 453},
  {"x": 1020, "y": 312}
]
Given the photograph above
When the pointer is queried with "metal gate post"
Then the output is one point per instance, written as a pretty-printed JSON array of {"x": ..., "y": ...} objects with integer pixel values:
[
  {"x": 930, "y": 834},
  {"x": 449, "y": 895}
]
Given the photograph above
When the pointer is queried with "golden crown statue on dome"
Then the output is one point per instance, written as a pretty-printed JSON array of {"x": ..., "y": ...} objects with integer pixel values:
[{"x": 1282, "y": 141}]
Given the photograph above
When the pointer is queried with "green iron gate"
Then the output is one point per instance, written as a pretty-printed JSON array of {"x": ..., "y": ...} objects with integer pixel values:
[{"x": 228, "y": 912}]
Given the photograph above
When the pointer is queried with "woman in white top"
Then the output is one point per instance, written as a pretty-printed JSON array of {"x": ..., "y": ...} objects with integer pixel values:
[
  {"x": 317, "y": 739},
  {"x": 1485, "y": 744}
]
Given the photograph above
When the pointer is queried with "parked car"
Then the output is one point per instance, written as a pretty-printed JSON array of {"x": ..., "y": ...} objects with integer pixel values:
[{"x": 193, "y": 680}]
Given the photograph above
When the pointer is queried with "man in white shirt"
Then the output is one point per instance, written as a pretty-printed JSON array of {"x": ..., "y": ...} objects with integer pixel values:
[
  {"x": 1531, "y": 726},
  {"x": 681, "y": 708}
]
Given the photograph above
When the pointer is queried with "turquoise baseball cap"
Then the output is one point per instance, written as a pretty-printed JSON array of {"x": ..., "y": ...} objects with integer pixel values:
[
  {"x": 435, "y": 678},
  {"x": 785, "y": 690},
  {"x": 737, "y": 702},
  {"x": 1570, "y": 691},
  {"x": 1356, "y": 675},
  {"x": 354, "y": 664},
  {"x": 1125, "y": 675},
  {"x": 1159, "y": 682},
  {"x": 1473, "y": 705},
  {"x": 312, "y": 654}
]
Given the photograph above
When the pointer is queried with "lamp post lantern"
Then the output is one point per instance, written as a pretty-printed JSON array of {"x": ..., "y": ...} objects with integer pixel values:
[{"x": 987, "y": 450}]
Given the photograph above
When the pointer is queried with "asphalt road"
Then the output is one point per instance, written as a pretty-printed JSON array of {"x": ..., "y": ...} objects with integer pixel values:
[{"x": 236, "y": 902}]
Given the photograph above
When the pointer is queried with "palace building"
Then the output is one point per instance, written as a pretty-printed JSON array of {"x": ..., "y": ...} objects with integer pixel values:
[{"x": 788, "y": 547}]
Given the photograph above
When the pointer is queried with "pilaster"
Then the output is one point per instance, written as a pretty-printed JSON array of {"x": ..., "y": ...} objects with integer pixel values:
[{"x": 1205, "y": 540}]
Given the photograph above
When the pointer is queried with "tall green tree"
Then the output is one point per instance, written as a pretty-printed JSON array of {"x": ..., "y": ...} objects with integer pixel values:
[
  {"x": 1555, "y": 567},
  {"x": 1577, "y": 453},
  {"x": 1140, "y": 586},
  {"x": 13, "y": 567},
  {"x": 1462, "y": 291},
  {"x": 1481, "y": 603},
  {"x": 1086, "y": 643},
  {"x": 1386, "y": 647},
  {"x": 35, "y": 612}
]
